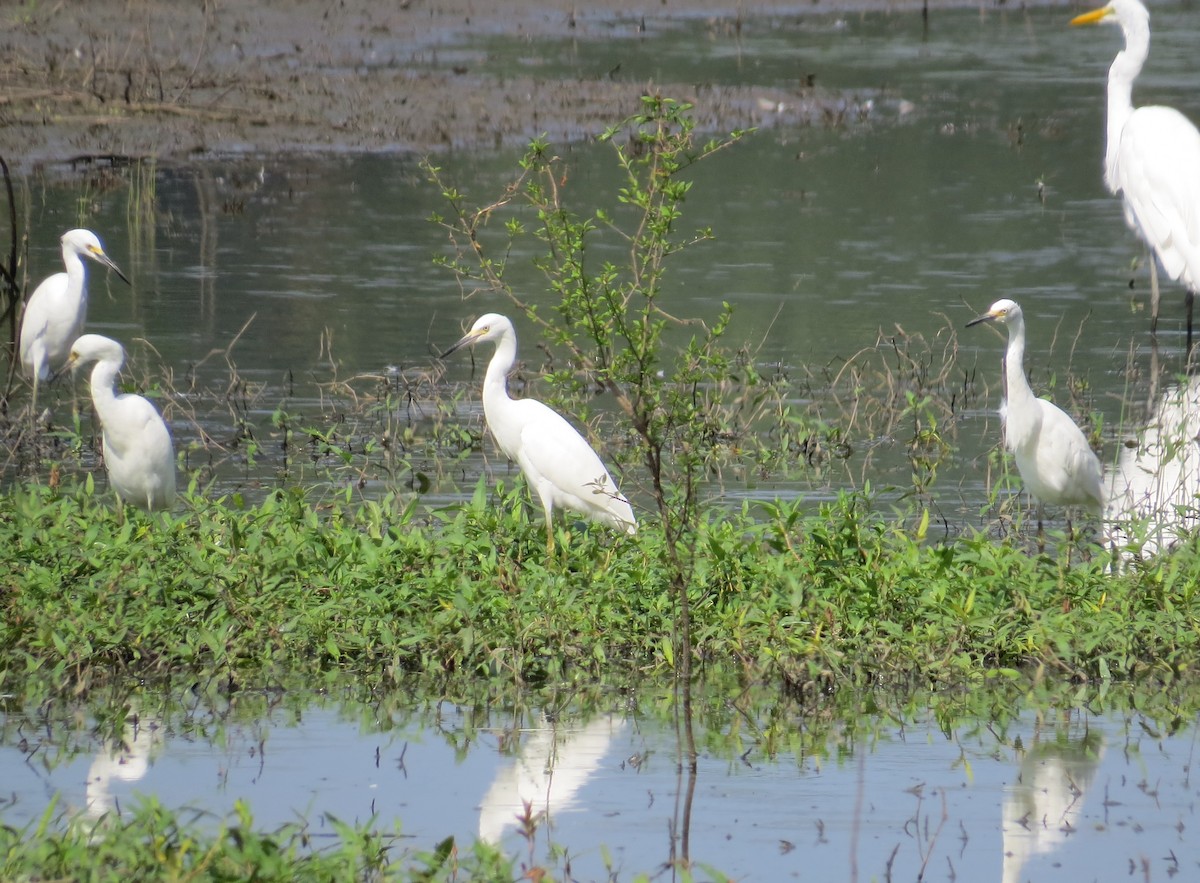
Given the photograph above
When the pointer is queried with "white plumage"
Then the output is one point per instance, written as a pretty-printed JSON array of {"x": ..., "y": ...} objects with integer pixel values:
[
  {"x": 1151, "y": 158},
  {"x": 559, "y": 464},
  {"x": 138, "y": 454},
  {"x": 56, "y": 311},
  {"x": 1056, "y": 463},
  {"x": 1152, "y": 490}
]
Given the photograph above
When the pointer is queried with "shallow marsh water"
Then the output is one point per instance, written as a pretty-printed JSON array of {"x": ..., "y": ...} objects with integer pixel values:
[
  {"x": 967, "y": 168},
  {"x": 1077, "y": 792}
]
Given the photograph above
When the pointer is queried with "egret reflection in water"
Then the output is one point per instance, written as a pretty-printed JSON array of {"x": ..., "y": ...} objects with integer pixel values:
[
  {"x": 127, "y": 760},
  {"x": 1151, "y": 492},
  {"x": 554, "y": 761},
  {"x": 1042, "y": 808}
]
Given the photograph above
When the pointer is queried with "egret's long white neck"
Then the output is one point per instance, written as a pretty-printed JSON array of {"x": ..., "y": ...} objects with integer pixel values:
[
  {"x": 76, "y": 272},
  {"x": 495, "y": 382},
  {"x": 1017, "y": 388},
  {"x": 1125, "y": 69},
  {"x": 104, "y": 378}
]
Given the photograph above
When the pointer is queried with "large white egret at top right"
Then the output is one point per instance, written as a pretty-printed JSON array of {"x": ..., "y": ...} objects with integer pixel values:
[{"x": 1152, "y": 159}]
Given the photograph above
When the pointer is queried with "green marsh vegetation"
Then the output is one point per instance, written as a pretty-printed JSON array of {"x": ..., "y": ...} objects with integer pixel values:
[
  {"x": 340, "y": 562},
  {"x": 339, "y": 570}
]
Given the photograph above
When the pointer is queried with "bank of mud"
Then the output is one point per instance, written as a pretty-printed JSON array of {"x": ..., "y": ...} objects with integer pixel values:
[{"x": 139, "y": 78}]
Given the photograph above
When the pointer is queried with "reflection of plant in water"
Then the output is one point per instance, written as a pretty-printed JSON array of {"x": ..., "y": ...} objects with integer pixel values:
[
  {"x": 141, "y": 208},
  {"x": 737, "y": 722},
  {"x": 401, "y": 431},
  {"x": 405, "y": 431}
]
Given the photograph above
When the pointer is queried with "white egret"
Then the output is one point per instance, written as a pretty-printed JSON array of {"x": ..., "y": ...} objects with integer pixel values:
[
  {"x": 558, "y": 463},
  {"x": 1152, "y": 159},
  {"x": 55, "y": 313},
  {"x": 1053, "y": 457},
  {"x": 1154, "y": 486},
  {"x": 138, "y": 454}
]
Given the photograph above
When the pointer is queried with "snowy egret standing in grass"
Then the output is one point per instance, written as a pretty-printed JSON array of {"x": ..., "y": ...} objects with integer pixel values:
[
  {"x": 1152, "y": 159},
  {"x": 1054, "y": 459},
  {"x": 138, "y": 454},
  {"x": 560, "y": 466},
  {"x": 57, "y": 309}
]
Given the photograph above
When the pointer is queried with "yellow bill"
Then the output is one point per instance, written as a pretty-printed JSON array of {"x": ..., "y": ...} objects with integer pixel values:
[{"x": 1096, "y": 15}]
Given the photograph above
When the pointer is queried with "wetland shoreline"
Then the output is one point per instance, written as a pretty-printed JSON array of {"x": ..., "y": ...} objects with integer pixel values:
[{"x": 155, "y": 79}]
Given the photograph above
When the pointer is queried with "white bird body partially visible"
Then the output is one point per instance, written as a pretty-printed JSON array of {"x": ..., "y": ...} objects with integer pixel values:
[
  {"x": 559, "y": 464},
  {"x": 1157, "y": 171},
  {"x": 1056, "y": 463},
  {"x": 138, "y": 454},
  {"x": 55, "y": 313},
  {"x": 1153, "y": 490},
  {"x": 555, "y": 759},
  {"x": 1044, "y": 806},
  {"x": 126, "y": 761},
  {"x": 1152, "y": 155}
]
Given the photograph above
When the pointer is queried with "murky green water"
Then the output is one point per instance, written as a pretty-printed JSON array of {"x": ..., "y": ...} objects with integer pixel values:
[
  {"x": 974, "y": 174},
  {"x": 894, "y": 219}
]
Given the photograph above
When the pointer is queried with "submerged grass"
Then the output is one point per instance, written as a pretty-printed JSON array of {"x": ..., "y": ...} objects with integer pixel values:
[{"x": 848, "y": 595}]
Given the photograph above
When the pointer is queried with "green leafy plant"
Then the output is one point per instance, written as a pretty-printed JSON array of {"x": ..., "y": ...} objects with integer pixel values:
[{"x": 667, "y": 374}]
